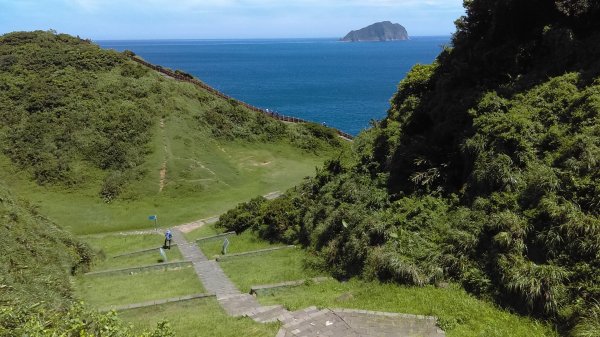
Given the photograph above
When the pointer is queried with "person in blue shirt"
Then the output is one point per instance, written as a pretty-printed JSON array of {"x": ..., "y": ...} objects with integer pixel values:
[{"x": 168, "y": 237}]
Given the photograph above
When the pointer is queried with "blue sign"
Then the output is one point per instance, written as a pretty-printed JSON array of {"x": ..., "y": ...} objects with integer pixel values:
[{"x": 152, "y": 217}]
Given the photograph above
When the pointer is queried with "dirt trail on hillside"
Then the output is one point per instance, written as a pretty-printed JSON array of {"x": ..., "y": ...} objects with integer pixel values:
[{"x": 188, "y": 227}]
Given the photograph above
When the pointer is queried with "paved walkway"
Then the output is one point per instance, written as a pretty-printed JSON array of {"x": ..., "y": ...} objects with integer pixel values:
[
  {"x": 308, "y": 322},
  {"x": 210, "y": 274},
  {"x": 189, "y": 251}
]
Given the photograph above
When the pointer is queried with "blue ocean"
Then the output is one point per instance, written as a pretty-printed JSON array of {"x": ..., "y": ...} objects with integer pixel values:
[{"x": 344, "y": 85}]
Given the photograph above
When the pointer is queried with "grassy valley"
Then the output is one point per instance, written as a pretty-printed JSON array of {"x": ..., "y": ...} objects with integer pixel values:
[
  {"x": 87, "y": 127},
  {"x": 210, "y": 180},
  {"x": 475, "y": 200},
  {"x": 97, "y": 143}
]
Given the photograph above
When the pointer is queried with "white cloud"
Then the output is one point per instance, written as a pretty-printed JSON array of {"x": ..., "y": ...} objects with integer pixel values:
[
  {"x": 187, "y": 5},
  {"x": 225, "y": 18}
]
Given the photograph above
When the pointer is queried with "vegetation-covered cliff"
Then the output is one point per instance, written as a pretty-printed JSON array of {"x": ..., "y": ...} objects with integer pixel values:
[{"x": 486, "y": 171}]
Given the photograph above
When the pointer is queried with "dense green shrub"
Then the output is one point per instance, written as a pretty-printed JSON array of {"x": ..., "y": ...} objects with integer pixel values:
[
  {"x": 485, "y": 171},
  {"x": 242, "y": 217},
  {"x": 63, "y": 103},
  {"x": 322, "y": 132},
  {"x": 75, "y": 321},
  {"x": 279, "y": 221}
]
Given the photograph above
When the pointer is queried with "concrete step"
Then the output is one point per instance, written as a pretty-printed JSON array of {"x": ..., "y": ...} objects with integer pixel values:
[
  {"x": 268, "y": 314},
  {"x": 239, "y": 299},
  {"x": 282, "y": 333},
  {"x": 305, "y": 317},
  {"x": 238, "y": 305},
  {"x": 290, "y": 317},
  {"x": 214, "y": 279},
  {"x": 322, "y": 323},
  {"x": 188, "y": 250},
  {"x": 238, "y": 311}
]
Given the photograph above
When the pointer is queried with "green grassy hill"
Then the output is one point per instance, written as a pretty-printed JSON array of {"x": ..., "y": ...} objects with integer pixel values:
[
  {"x": 485, "y": 171},
  {"x": 100, "y": 142},
  {"x": 36, "y": 292},
  {"x": 96, "y": 143},
  {"x": 37, "y": 256}
]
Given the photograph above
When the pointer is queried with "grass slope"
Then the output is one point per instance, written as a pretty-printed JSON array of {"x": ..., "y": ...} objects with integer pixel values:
[
  {"x": 198, "y": 318},
  {"x": 106, "y": 290},
  {"x": 459, "y": 314},
  {"x": 109, "y": 246},
  {"x": 243, "y": 242},
  {"x": 88, "y": 127},
  {"x": 273, "y": 267},
  {"x": 177, "y": 203},
  {"x": 37, "y": 256},
  {"x": 97, "y": 143},
  {"x": 36, "y": 292}
]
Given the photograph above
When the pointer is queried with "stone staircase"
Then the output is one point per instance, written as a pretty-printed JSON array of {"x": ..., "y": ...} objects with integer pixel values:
[
  {"x": 307, "y": 322},
  {"x": 214, "y": 279},
  {"x": 315, "y": 322},
  {"x": 268, "y": 314},
  {"x": 189, "y": 251},
  {"x": 238, "y": 305}
]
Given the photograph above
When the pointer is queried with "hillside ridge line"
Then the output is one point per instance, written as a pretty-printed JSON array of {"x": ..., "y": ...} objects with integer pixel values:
[{"x": 180, "y": 77}]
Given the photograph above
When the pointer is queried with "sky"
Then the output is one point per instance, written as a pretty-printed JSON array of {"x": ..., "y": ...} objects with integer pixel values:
[{"x": 224, "y": 19}]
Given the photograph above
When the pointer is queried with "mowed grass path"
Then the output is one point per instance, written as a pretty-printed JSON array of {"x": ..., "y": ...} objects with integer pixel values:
[
  {"x": 244, "y": 242},
  {"x": 273, "y": 267},
  {"x": 105, "y": 290},
  {"x": 198, "y": 318},
  {"x": 460, "y": 314}
]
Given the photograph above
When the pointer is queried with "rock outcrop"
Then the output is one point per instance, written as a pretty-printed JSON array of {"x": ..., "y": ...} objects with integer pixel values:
[{"x": 381, "y": 31}]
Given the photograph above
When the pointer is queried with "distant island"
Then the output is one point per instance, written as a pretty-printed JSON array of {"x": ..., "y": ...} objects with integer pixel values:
[{"x": 380, "y": 31}]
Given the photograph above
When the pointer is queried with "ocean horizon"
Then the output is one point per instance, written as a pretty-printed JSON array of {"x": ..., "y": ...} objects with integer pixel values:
[{"x": 342, "y": 84}]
